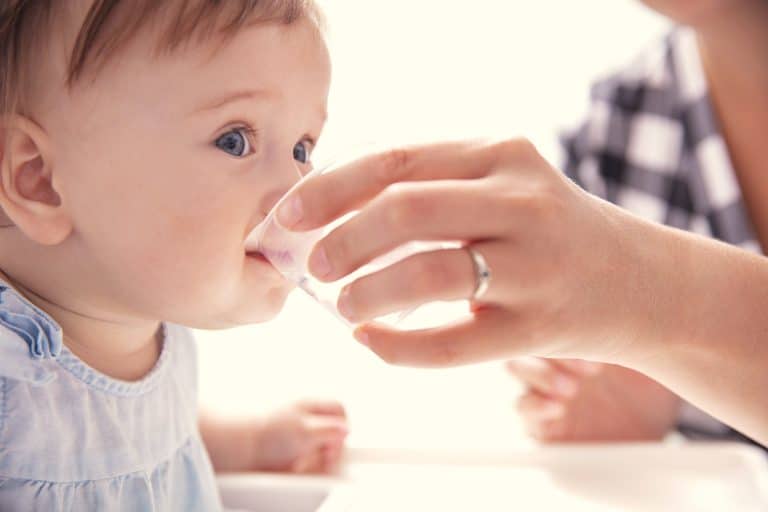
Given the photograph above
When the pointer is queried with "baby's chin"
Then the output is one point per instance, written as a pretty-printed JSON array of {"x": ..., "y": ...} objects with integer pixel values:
[
  {"x": 258, "y": 307},
  {"x": 235, "y": 319},
  {"x": 255, "y": 296}
]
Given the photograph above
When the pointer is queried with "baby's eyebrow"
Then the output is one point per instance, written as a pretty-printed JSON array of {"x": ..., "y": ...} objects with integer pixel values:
[
  {"x": 253, "y": 95},
  {"x": 239, "y": 95}
]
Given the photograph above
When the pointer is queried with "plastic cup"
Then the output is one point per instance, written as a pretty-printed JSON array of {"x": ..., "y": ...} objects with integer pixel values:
[{"x": 288, "y": 251}]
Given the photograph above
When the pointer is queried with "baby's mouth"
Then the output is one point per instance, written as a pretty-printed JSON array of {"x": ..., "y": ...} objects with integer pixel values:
[
  {"x": 253, "y": 240},
  {"x": 256, "y": 255},
  {"x": 260, "y": 257},
  {"x": 278, "y": 258}
]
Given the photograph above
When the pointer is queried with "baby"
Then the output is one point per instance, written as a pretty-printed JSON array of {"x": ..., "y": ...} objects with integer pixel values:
[{"x": 142, "y": 142}]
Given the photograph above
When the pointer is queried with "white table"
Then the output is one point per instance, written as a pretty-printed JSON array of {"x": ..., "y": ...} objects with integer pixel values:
[{"x": 642, "y": 477}]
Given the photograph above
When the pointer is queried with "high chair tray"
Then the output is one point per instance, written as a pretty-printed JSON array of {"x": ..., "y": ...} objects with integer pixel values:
[{"x": 638, "y": 477}]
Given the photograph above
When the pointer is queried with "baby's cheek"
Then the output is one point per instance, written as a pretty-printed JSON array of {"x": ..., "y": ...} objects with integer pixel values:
[
  {"x": 198, "y": 253},
  {"x": 202, "y": 271},
  {"x": 183, "y": 267}
]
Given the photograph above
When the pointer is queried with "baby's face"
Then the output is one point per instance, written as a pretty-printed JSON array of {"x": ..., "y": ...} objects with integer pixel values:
[{"x": 165, "y": 164}]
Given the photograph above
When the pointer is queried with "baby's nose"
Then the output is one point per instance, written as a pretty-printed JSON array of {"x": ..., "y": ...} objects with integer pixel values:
[
  {"x": 272, "y": 198},
  {"x": 285, "y": 177}
]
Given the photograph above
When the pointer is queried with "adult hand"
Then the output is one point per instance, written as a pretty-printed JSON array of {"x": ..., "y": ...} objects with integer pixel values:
[
  {"x": 576, "y": 401},
  {"x": 560, "y": 258},
  {"x": 572, "y": 276}
]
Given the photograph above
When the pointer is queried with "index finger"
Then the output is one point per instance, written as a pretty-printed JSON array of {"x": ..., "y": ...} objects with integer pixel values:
[{"x": 326, "y": 197}]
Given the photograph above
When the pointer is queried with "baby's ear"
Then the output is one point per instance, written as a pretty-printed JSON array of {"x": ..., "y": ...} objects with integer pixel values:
[{"x": 28, "y": 194}]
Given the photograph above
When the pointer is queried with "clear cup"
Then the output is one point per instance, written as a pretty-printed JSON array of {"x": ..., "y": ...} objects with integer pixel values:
[{"x": 288, "y": 251}]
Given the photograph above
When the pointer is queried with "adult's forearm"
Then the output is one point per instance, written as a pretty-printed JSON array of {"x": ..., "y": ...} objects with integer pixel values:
[{"x": 708, "y": 306}]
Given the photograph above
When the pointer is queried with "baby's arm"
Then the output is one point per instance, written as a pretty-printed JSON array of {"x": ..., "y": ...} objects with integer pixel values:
[{"x": 305, "y": 437}]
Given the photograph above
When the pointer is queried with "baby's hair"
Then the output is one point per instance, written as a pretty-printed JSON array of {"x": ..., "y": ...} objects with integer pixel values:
[{"x": 28, "y": 32}]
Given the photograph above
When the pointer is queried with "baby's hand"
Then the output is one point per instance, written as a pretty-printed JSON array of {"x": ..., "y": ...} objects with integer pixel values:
[
  {"x": 571, "y": 400},
  {"x": 307, "y": 437}
]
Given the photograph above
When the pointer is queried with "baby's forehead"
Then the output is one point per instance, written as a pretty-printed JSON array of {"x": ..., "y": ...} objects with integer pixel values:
[
  {"x": 273, "y": 77},
  {"x": 170, "y": 25},
  {"x": 265, "y": 67},
  {"x": 268, "y": 62}
]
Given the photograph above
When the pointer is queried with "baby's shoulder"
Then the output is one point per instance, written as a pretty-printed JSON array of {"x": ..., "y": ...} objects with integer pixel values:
[
  {"x": 61, "y": 420},
  {"x": 28, "y": 405},
  {"x": 18, "y": 362}
]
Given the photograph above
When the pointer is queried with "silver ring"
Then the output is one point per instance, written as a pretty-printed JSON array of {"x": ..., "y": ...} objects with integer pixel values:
[{"x": 482, "y": 273}]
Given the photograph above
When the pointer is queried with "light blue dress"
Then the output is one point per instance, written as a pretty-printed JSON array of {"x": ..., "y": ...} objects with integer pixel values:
[{"x": 74, "y": 439}]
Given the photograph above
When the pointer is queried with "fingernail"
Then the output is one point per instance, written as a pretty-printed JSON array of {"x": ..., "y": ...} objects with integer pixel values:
[
  {"x": 290, "y": 212},
  {"x": 345, "y": 306},
  {"x": 362, "y": 337},
  {"x": 565, "y": 386},
  {"x": 319, "y": 264}
]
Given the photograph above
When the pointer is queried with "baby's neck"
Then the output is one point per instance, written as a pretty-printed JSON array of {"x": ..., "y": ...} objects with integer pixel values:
[{"x": 120, "y": 350}]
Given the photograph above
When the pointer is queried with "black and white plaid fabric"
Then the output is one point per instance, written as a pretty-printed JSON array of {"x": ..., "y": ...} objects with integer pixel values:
[{"x": 651, "y": 144}]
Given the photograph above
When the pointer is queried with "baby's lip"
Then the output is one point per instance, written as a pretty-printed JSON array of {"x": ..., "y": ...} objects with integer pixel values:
[
  {"x": 281, "y": 257},
  {"x": 257, "y": 255},
  {"x": 252, "y": 240}
]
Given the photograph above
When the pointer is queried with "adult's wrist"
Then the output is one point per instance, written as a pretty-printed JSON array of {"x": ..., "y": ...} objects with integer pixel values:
[{"x": 656, "y": 276}]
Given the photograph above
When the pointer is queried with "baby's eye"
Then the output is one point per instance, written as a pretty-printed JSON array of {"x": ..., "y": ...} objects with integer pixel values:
[
  {"x": 301, "y": 151},
  {"x": 235, "y": 142}
]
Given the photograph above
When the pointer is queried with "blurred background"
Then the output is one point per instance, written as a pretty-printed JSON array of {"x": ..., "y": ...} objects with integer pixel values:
[{"x": 411, "y": 71}]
